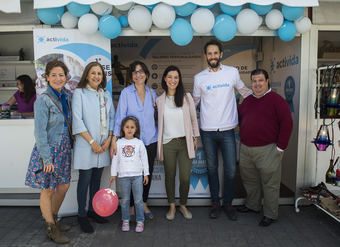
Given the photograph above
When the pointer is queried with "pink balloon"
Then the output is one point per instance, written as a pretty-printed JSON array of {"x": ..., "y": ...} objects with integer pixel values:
[{"x": 105, "y": 202}]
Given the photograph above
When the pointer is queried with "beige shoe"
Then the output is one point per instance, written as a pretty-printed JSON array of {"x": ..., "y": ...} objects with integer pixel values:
[
  {"x": 187, "y": 215},
  {"x": 62, "y": 227},
  {"x": 170, "y": 216},
  {"x": 54, "y": 234}
]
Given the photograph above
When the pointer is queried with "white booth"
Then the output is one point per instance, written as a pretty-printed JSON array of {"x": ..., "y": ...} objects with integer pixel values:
[{"x": 291, "y": 65}]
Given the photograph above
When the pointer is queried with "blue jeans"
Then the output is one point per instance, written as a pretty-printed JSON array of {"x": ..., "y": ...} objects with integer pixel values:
[
  {"x": 225, "y": 140},
  {"x": 136, "y": 184},
  {"x": 87, "y": 178}
]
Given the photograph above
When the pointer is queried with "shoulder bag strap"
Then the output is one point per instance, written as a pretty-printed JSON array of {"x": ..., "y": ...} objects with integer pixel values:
[{"x": 67, "y": 123}]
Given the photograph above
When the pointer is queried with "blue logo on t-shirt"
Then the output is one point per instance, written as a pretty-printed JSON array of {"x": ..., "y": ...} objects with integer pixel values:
[{"x": 209, "y": 87}]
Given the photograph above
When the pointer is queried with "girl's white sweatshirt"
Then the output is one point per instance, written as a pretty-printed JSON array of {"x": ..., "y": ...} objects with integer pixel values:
[{"x": 131, "y": 159}]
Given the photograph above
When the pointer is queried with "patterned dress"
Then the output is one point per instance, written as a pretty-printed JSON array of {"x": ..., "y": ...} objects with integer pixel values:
[{"x": 61, "y": 159}]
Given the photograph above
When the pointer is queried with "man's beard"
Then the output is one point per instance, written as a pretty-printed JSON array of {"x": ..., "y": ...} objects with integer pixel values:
[{"x": 214, "y": 65}]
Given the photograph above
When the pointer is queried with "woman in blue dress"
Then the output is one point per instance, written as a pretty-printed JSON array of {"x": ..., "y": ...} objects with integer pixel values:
[{"x": 50, "y": 164}]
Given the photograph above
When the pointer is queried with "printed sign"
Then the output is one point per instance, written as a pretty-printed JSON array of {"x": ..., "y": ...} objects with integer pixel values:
[{"x": 75, "y": 49}]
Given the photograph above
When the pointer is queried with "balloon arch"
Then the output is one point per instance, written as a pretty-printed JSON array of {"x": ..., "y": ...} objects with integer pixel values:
[{"x": 222, "y": 20}]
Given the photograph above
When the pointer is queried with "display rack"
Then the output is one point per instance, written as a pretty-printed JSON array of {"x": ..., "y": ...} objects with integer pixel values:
[
  {"x": 318, "y": 87},
  {"x": 297, "y": 210}
]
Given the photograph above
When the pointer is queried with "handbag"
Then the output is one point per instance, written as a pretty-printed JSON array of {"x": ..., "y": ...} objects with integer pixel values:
[
  {"x": 155, "y": 113},
  {"x": 73, "y": 139}
]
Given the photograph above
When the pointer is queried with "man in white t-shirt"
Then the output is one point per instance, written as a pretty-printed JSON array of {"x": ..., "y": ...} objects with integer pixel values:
[{"x": 214, "y": 89}]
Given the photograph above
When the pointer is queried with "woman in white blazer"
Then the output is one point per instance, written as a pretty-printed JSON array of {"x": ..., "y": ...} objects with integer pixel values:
[
  {"x": 92, "y": 124},
  {"x": 177, "y": 137}
]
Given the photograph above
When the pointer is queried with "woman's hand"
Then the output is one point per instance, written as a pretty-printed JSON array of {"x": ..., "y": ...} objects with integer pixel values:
[
  {"x": 146, "y": 180},
  {"x": 113, "y": 149},
  {"x": 112, "y": 179},
  {"x": 96, "y": 148},
  {"x": 195, "y": 143},
  {"x": 49, "y": 168},
  {"x": 106, "y": 144}
]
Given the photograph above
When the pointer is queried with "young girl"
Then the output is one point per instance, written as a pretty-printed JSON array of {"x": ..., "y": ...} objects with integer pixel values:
[{"x": 131, "y": 164}]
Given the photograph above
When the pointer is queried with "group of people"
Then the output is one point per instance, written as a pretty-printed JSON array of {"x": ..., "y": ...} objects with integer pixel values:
[{"x": 131, "y": 137}]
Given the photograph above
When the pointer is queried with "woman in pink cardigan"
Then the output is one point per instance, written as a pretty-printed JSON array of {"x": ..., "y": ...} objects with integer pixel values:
[{"x": 177, "y": 137}]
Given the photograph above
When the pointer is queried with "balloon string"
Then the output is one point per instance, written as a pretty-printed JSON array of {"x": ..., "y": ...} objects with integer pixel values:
[{"x": 110, "y": 184}]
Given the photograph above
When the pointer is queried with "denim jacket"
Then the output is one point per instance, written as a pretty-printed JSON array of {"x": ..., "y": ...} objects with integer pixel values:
[{"x": 49, "y": 122}]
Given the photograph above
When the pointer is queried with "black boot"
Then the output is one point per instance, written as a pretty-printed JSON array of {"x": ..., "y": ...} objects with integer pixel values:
[
  {"x": 85, "y": 225},
  {"x": 96, "y": 217}
]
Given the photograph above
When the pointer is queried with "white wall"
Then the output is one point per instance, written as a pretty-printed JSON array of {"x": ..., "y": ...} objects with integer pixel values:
[{"x": 327, "y": 13}]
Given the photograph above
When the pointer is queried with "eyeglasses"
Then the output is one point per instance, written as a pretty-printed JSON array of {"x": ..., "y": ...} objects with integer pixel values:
[{"x": 141, "y": 72}]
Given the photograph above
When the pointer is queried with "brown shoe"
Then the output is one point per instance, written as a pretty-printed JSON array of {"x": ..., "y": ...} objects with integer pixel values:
[
  {"x": 55, "y": 235},
  {"x": 62, "y": 227}
]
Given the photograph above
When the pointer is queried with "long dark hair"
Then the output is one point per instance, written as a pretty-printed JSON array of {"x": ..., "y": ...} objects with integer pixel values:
[
  {"x": 135, "y": 120},
  {"x": 29, "y": 87},
  {"x": 132, "y": 68},
  {"x": 83, "y": 80},
  {"x": 180, "y": 92}
]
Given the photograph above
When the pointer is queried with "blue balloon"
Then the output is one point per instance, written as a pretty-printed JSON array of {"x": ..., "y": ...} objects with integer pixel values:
[
  {"x": 186, "y": 9},
  {"x": 181, "y": 32},
  {"x": 261, "y": 9},
  {"x": 150, "y": 7},
  {"x": 77, "y": 9},
  {"x": 287, "y": 31},
  {"x": 51, "y": 16},
  {"x": 208, "y": 7},
  {"x": 292, "y": 13},
  {"x": 230, "y": 10},
  {"x": 225, "y": 27},
  {"x": 109, "y": 26},
  {"x": 123, "y": 21}
]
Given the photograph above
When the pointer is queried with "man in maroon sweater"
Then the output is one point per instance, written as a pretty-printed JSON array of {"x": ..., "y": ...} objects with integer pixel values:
[{"x": 265, "y": 128}]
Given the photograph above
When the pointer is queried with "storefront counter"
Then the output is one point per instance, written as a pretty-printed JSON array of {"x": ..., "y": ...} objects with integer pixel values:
[{"x": 17, "y": 140}]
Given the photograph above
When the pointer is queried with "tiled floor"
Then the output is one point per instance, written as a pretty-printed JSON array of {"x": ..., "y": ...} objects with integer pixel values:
[{"x": 23, "y": 226}]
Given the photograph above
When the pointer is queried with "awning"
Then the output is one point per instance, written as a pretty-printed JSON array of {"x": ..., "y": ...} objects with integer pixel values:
[
  {"x": 295, "y": 3},
  {"x": 10, "y": 6}
]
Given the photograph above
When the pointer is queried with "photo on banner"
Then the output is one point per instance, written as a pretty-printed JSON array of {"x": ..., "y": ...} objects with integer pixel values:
[{"x": 75, "y": 49}]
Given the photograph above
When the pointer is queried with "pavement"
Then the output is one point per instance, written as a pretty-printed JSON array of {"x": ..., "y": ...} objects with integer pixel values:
[{"x": 24, "y": 226}]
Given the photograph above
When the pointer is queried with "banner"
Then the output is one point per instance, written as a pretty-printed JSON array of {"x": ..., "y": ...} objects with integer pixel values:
[
  {"x": 293, "y": 3},
  {"x": 75, "y": 49}
]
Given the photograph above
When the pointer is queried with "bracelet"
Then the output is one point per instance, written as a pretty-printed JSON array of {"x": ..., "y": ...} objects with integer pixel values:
[{"x": 92, "y": 141}]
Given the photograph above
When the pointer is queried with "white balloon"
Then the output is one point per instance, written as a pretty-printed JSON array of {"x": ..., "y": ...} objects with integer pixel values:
[
  {"x": 68, "y": 20},
  {"x": 247, "y": 21},
  {"x": 163, "y": 15},
  {"x": 88, "y": 24},
  {"x": 140, "y": 19},
  {"x": 303, "y": 24},
  {"x": 202, "y": 20},
  {"x": 274, "y": 19},
  {"x": 124, "y": 7},
  {"x": 101, "y": 8}
]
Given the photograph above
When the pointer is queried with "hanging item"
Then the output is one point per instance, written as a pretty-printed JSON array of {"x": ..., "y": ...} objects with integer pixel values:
[{"x": 322, "y": 140}]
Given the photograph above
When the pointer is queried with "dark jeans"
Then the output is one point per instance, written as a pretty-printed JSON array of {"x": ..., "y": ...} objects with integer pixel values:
[
  {"x": 225, "y": 141},
  {"x": 151, "y": 151},
  {"x": 87, "y": 178}
]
